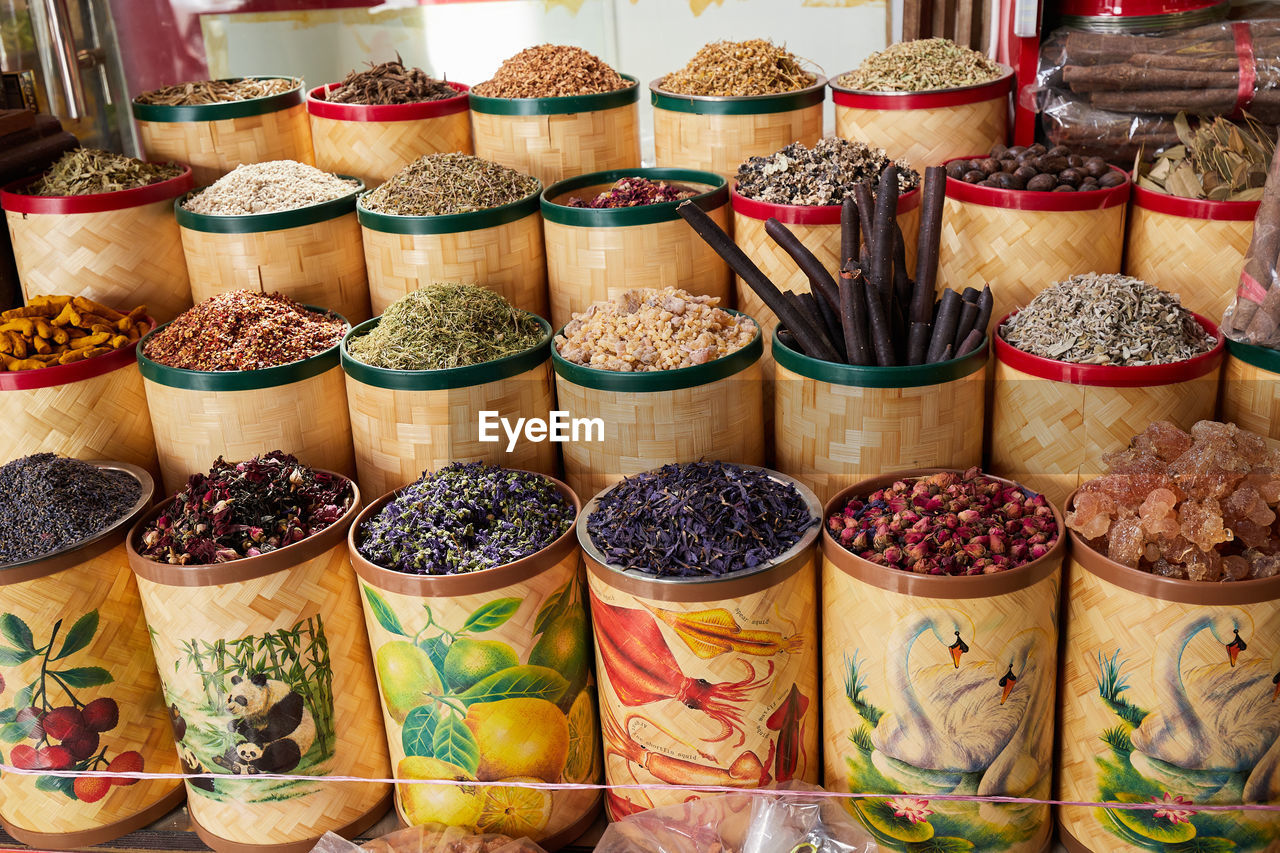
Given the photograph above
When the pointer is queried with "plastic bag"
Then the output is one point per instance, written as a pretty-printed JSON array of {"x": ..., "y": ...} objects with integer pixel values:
[
  {"x": 432, "y": 838},
  {"x": 742, "y": 823},
  {"x": 1254, "y": 316},
  {"x": 1112, "y": 95}
]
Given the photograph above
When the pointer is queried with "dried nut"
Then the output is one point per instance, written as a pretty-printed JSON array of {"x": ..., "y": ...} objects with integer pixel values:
[
  {"x": 1096, "y": 167},
  {"x": 1088, "y": 184},
  {"x": 1059, "y": 151},
  {"x": 1008, "y": 164},
  {"x": 974, "y": 176},
  {"x": 998, "y": 151},
  {"x": 1071, "y": 177},
  {"x": 1051, "y": 163},
  {"x": 1064, "y": 188},
  {"x": 957, "y": 168},
  {"x": 1016, "y": 151},
  {"x": 1075, "y": 161},
  {"x": 1025, "y": 173},
  {"x": 1112, "y": 179},
  {"x": 988, "y": 183},
  {"x": 1041, "y": 183},
  {"x": 1005, "y": 181},
  {"x": 990, "y": 165},
  {"x": 1038, "y": 150}
]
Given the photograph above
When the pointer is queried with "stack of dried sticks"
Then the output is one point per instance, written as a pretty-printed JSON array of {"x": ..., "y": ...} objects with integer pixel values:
[{"x": 870, "y": 312}]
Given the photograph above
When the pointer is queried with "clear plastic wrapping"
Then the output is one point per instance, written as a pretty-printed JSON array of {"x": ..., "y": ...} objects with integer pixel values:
[
  {"x": 432, "y": 838},
  {"x": 1114, "y": 96},
  {"x": 1254, "y": 316}
]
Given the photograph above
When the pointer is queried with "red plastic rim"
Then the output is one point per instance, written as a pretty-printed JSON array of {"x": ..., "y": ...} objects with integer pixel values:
[
  {"x": 1132, "y": 8},
  {"x": 1108, "y": 375},
  {"x": 804, "y": 214},
  {"x": 317, "y": 106},
  {"x": 1025, "y": 200},
  {"x": 997, "y": 88},
  {"x": 1195, "y": 208},
  {"x": 65, "y": 374},
  {"x": 11, "y": 199}
]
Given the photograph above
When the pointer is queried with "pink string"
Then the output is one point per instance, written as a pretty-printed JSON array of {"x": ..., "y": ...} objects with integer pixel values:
[{"x": 589, "y": 786}]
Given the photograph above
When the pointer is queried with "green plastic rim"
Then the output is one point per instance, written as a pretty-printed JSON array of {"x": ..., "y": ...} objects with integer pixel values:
[
  {"x": 449, "y": 223},
  {"x": 859, "y": 376},
  {"x": 228, "y": 109},
  {"x": 557, "y": 106},
  {"x": 662, "y": 380},
  {"x": 644, "y": 214},
  {"x": 253, "y": 223},
  {"x": 1260, "y": 357},
  {"x": 239, "y": 380},
  {"x": 740, "y": 105},
  {"x": 450, "y": 377}
]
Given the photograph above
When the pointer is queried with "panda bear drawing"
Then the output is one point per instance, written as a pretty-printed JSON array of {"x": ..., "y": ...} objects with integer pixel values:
[{"x": 273, "y": 720}]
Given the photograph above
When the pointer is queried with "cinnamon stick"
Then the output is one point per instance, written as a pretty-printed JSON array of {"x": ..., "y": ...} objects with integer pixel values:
[
  {"x": 1264, "y": 246},
  {"x": 1124, "y": 78}
]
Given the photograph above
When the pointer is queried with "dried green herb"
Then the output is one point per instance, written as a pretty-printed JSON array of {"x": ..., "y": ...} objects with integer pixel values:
[
  {"x": 821, "y": 175},
  {"x": 202, "y": 92},
  {"x": 921, "y": 65},
  {"x": 390, "y": 83},
  {"x": 1220, "y": 160},
  {"x": 443, "y": 184},
  {"x": 440, "y": 326},
  {"x": 88, "y": 171},
  {"x": 738, "y": 68}
]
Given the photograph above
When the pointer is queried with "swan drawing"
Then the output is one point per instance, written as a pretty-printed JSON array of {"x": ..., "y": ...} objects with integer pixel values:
[
  {"x": 1263, "y": 784},
  {"x": 1022, "y": 767},
  {"x": 1211, "y": 723},
  {"x": 946, "y": 719}
]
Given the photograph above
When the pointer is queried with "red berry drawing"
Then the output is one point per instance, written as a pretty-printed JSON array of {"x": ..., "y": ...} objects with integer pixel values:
[
  {"x": 50, "y": 724},
  {"x": 90, "y": 789},
  {"x": 125, "y": 762}
]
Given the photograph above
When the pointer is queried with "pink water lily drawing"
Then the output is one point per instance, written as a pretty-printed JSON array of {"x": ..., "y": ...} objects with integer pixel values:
[
  {"x": 912, "y": 808},
  {"x": 1172, "y": 808}
]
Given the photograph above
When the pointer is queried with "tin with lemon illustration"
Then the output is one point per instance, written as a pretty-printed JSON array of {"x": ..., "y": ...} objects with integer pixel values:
[{"x": 485, "y": 676}]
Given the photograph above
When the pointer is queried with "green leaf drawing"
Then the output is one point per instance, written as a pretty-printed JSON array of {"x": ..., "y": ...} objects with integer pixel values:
[
  {"x": 940, "y": 844},
  {"x": 418, "y": 734},
  {"x": 879, "y": 816},
  {"x": 57, "y": 784},
  {"x": 83, "y": 676},
  {"x": 79, "y": 635},
  {"x": 1208, "y": 844},
  {"x": 27, "y": 727},
  {"x": 8, "y": 715},
  {"x": 22, "y": 698},
  {"x": 14, "y": 732},
  {"x": 514, "y": 682},
  {"x": 436, "y": 649},
  {"x": 13, "y": 657},
  {"x": 383, "y": 613},
  {"x": 453, "y": 743},
  {"x": 491, "y": 615},
  {"x": 1144, "y": 822},
  {"x": 17, "y": 632},
  {"x": 550, "y": 609}
]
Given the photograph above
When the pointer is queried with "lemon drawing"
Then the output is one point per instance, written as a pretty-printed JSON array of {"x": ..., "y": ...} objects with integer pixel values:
[
  {"x": 513, "y": 811},
  {"x": 451, "y": 805},
  {"x": 407, "y": 677},
  {"x": 519, "y": 737},
  {"x": 469, "y": 661},
  {"x": 584, "y": 741}
]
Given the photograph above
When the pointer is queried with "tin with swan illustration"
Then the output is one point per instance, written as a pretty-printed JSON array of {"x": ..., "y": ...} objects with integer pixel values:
[
  {"x": 1170, "y": 697},
  {"x": 944, "y": 686}
]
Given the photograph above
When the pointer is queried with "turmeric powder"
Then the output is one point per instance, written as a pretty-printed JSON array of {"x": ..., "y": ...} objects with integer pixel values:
[{"x": 55, "y": 330}]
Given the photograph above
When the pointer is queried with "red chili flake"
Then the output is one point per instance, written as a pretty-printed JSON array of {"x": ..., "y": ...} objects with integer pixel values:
[
  {"x": 633, "y": 192},
  {"x": 244, "y": 330}
]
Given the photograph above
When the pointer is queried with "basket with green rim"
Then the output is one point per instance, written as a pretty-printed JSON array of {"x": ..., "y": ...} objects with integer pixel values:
[
  {"x": 405, "y": 422},
  {"x": 596, "y": 254}
]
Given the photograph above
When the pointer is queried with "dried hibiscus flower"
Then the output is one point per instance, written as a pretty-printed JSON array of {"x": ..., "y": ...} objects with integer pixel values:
[{"x": 244, "y": 509}]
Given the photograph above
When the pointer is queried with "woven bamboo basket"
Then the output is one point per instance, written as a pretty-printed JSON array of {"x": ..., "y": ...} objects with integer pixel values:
[
  {"x": 718, "y": 134},
  {"x": 1251, "y": 388},
  {"x": 837, "y": 423},
  {"x": 926, "y": 128},
  {"x": 961, "y": 635},
  {"x": 197, "y": 416},
  {"x": 1136, "y": 724},
  {"x": 530, "y": 610},
  {"x": 710, "y": 411},
  {"x": 596, "y": 255},
  {"x": 372, "y": 143},
  {"x": 215, "y": 138},
  {"x": 1021, "y": 242},
  {"x": 557, "y": 138},
  {"x": 82, "y": 601},
  {"x": 1051, "y": 421},
  {"x": 500, "y": 248},
  {"x": 771, "y": 735},
  {"x": 120, "y": 248},
  {"x": 91, "y": 409},
  {"x": 1190, "y": 247},
  {"x": 404, "y": 422},
  {"x": 292, "y": 615},
  {"x": 313, "y": 255}
]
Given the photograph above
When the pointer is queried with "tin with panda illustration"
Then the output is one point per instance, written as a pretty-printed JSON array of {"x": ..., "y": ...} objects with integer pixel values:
[{"x": 265, "y": 670}]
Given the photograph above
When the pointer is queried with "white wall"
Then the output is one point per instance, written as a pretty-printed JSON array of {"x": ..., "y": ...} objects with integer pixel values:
[{"x": 468, "y": 40}]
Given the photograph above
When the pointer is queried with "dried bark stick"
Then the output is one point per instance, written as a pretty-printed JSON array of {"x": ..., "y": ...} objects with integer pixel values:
[
  {"x": 819, "y": 279},
  {"x": 853, "y": 314},
  {"x": 944, "y": 329},
  {"x": 1264, "y": 246},
  {"x": 849, "y": 243},
  {"x": 880, "y": 269},
  {"x": 1124, "y": 78}
]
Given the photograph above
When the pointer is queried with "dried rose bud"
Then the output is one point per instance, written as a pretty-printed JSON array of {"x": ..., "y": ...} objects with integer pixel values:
[{"x": 892, "y": 555}]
